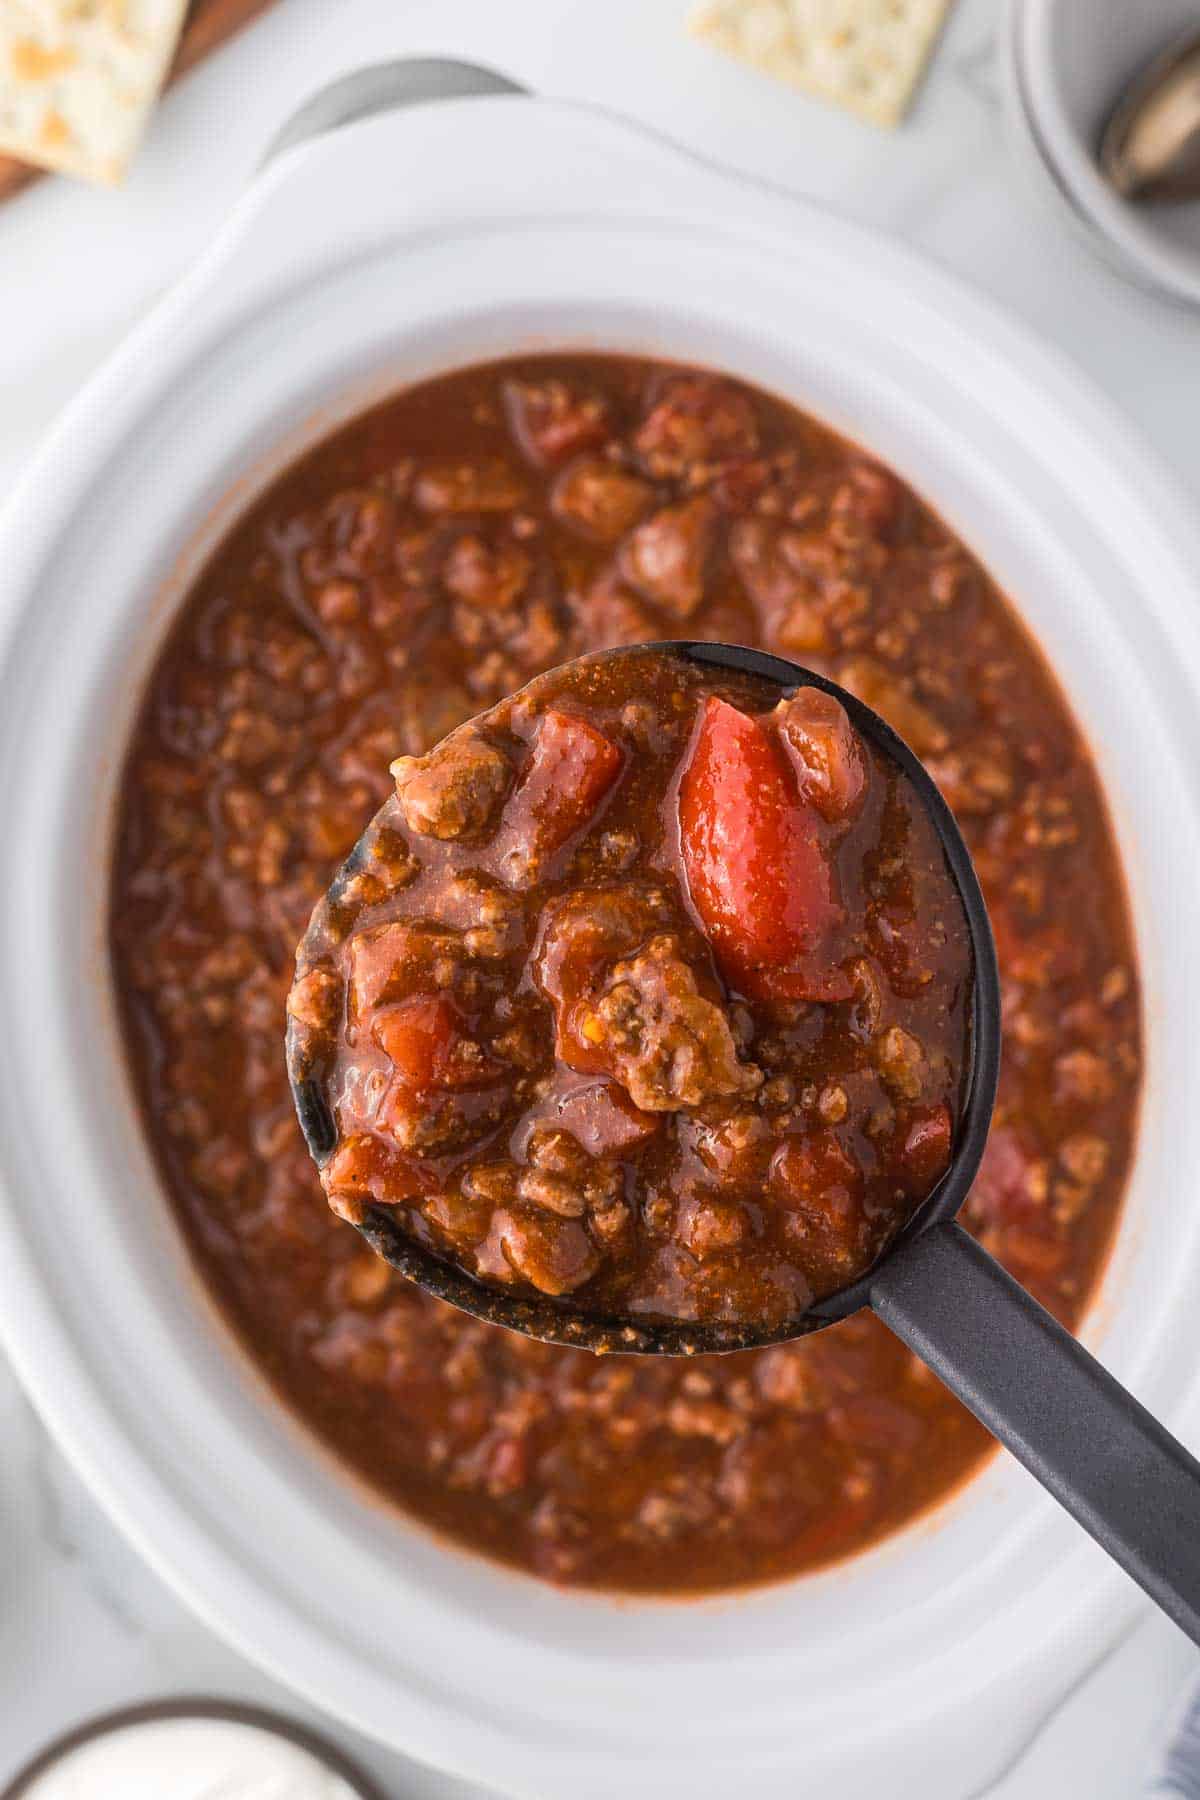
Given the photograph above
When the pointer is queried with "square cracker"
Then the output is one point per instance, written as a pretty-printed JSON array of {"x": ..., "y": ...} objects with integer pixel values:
[
  {"x": 78, "y": 79},
  {"x": 867, "y": 55}
]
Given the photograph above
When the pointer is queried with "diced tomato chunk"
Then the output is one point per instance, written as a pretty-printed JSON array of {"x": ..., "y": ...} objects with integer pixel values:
[
  {"x": 697, "y": 423},
  {"x": 508, "y": 1465},
  {"x": 816, "y": 1173},
  {"x": 598, "y": 499},
  {"x": 601, "y": 1117},
  {"x": 552, "y": 420},
  {"x": 873, "y": 497},
  {"x": 926, "y": 1150},
  {"x": 389, "y": 961},
  {"x": 830, "y": 764},
  {"x": 418, "y": 1037},
  {"x": 571, "y": 768},
  {"x": 581, "y": 936},
  {"x": 425, "y": 1042},
  {"x": 554, "y": 1255},
  {"x": 756, "y": 869},
  {"x": 666, "y": 558},
  {"x": 740, "y": 484},
  {"x": 1011, "y": 1186},
  {"x": 816, "y": 1179},
  {"x": 365, "y": 1168}
]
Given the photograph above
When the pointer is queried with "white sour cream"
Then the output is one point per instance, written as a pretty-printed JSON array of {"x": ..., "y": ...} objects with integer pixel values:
[{"x": 188, "y": 1759}]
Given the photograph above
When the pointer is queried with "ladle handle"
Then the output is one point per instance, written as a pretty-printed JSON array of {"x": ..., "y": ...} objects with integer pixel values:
[{"x": 1114, "y": 1467}]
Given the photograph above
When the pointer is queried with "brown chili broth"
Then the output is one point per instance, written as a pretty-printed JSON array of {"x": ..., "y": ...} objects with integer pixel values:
[{"x": 283, "y": 690}]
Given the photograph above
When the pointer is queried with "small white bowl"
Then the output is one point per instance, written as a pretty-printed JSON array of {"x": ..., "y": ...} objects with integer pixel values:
[
  {"x": 201, "y": 1740},
  {"x": 1067, "y": 62}
]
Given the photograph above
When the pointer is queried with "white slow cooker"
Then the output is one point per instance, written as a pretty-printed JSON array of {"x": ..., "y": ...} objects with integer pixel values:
[{"x": 408, "y": 241}]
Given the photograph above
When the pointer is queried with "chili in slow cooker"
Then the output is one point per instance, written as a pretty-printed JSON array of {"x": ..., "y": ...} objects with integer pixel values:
[
  {"x": 664, "y": 1003},
  {"x": 424, "y": 562}
]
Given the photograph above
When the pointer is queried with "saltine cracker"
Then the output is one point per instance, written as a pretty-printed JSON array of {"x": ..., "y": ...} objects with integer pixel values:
[
  {"x": 78, "y": 79},
  {"x": 866, "y": 55}
]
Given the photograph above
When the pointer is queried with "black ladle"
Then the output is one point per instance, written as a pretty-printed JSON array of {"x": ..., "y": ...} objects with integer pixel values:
[{"x": 1115, "y": 1468}]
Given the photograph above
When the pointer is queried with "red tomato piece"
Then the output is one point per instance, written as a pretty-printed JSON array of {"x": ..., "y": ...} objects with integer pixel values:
[
  {"x": 824, "y": 749},
  {"x": 423, "y": 1038},
  {"x": 381, "y": 963},
  {"x": 1011, "y": 1187},
  {"x": 755, "y": 865},
  {"x": 926, "y": 1152},
  {"x": 600, "y": 1116},
  {"x": 365, "y": 1168},
  {"x": 571, "y": 768},
  {"x": 817, "y": 1174},
  {"x": 816, "y": 1178},
  {"x": 551, "y": 420}
]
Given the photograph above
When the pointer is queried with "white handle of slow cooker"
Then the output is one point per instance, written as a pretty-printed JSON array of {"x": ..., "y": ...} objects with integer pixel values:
[
  {"x": 552, "y": 157},
  {"x": 387, "y": 87}
]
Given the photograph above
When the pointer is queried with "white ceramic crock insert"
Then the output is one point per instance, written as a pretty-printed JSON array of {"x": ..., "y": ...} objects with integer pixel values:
[{"x": 392, "y": 249}]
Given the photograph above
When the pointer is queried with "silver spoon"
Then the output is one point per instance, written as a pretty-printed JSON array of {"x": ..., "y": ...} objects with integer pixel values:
[{"x": 1150, "y": 150}]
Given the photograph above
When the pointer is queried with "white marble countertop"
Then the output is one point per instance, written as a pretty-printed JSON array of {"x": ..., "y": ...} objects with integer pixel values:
[{"x": 83, "y": 1624}]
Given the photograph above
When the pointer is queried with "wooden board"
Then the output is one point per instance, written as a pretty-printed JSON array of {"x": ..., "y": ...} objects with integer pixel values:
[{"x": 210, "y": 23}]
